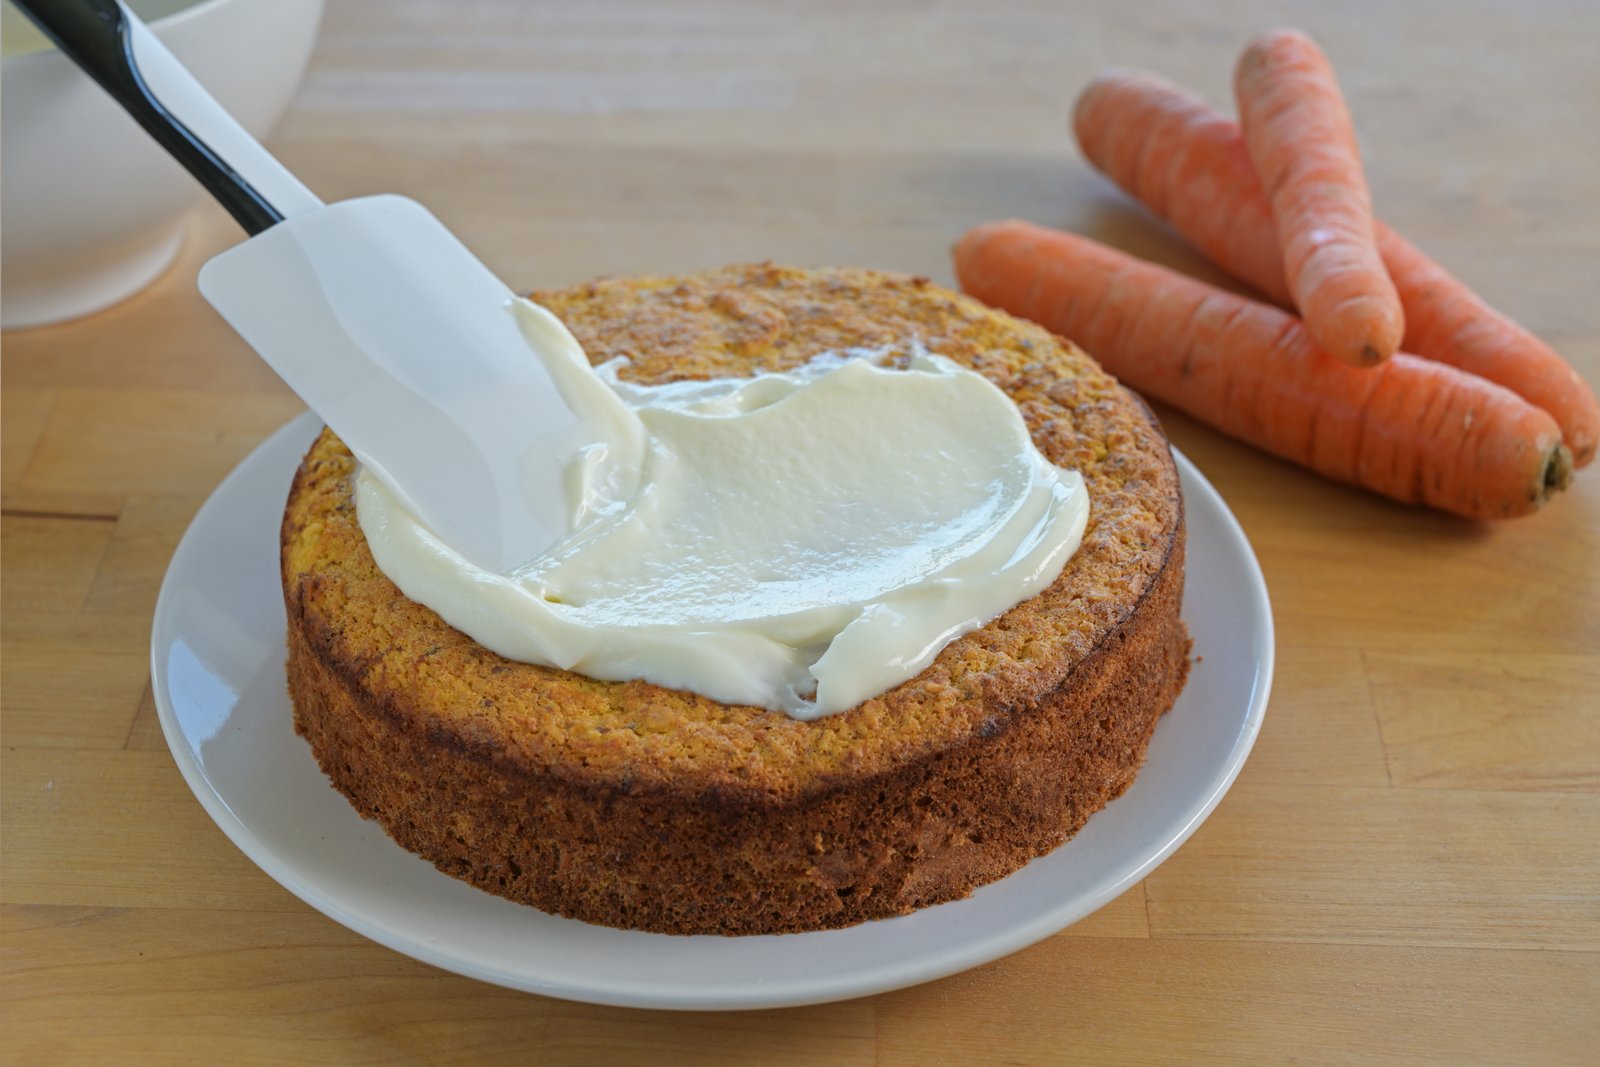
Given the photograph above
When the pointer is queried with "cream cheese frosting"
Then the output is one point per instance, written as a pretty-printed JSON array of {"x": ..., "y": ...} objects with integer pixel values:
[{"x": 800, "y": 541}]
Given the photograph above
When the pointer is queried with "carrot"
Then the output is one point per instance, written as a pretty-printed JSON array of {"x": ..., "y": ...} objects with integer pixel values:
[
  {"x": 1449, "y": 322},
  {"x": 1188, "y": 163},
  {"x": 1301, "y": 141},
  {"x": 1411, "y": 429}
]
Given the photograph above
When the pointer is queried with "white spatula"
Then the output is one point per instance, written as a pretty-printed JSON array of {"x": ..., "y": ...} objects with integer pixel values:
[{"x": 375, "y": 314}]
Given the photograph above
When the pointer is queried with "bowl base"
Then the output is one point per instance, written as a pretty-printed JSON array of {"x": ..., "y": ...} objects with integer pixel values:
[{"x": 42, "y": 299}]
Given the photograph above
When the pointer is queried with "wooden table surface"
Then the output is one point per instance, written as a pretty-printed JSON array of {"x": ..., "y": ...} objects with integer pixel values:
[{"x": 1408, "y": 869}]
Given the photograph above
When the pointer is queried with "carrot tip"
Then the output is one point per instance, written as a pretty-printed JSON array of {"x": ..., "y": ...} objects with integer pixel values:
[{"x": 1557, "y": 471}]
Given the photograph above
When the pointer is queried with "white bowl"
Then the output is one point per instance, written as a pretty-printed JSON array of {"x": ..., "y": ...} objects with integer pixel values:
[{"x": 92, "y": 208}]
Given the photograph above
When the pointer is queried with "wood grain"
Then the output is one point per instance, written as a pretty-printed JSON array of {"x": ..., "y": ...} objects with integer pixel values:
[
  {"x": 1408, "y": 870},
  {"x": 1498, "y": 722}
]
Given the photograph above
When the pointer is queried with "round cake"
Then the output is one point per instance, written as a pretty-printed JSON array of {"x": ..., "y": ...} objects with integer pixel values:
[{"x": 632, "y": 805}]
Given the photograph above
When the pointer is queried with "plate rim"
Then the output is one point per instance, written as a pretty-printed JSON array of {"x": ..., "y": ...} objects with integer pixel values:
[{"x": 895, "y": 974}]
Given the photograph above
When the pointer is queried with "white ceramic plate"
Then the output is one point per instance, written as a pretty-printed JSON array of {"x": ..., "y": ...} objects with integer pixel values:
[{"x": 217, "y": 660}]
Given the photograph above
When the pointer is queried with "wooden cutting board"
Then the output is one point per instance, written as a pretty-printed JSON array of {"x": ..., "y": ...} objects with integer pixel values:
[{"x": 1408, "y": 869}]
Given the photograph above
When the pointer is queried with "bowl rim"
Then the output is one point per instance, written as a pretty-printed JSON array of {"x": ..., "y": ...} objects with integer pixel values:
[{"x": 52, "y": 54}]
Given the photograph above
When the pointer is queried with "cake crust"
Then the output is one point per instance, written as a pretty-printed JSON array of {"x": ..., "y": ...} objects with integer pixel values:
[{"x": 632, "y": 805}]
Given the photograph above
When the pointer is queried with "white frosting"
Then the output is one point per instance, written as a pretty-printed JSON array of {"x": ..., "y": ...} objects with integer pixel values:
[{"x": 799, "y": 541}]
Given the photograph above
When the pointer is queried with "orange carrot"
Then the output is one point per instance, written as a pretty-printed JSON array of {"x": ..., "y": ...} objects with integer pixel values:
[
  {"x": 1188, "y": 163},
  {"x": 1454, "y": 325},
  {"x": 1411, "y": 429},
  {"x": 1304, "y": 150}
]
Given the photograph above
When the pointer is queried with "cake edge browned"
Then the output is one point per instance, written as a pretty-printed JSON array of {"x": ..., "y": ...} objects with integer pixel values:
[{"x": 734, "y": 863}]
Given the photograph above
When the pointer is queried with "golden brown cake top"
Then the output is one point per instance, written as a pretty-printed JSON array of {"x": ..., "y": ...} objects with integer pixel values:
[{"x": 738, "y": 321}]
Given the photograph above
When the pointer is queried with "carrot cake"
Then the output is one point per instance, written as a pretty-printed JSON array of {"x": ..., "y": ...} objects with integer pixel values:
[{"x": 633, "y": 805}]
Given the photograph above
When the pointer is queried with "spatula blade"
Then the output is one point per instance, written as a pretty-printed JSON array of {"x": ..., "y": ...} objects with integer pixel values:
[{"x": 404, "y": 343}]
